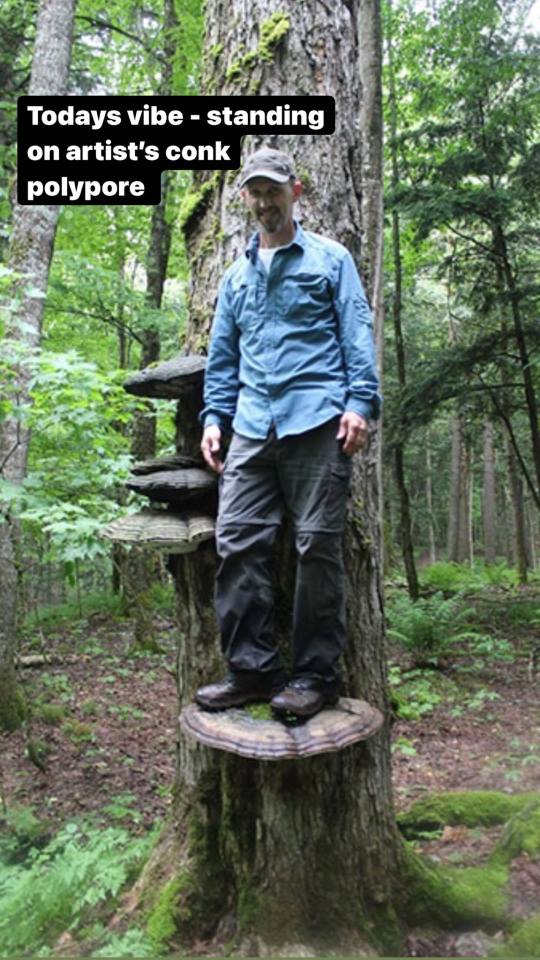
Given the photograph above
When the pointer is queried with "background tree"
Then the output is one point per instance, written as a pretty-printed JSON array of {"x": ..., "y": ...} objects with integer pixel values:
[{"x": 29, "y": 258}]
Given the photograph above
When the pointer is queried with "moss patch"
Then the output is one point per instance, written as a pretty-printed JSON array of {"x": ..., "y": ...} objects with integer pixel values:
[
  {"x": 239, "y": 67},
  {"x": 166, "y": 916},
  {"x": 248, "y": 907},
  {"x": 480, "y": 808},
  {"x": 259, "y": 711},
  {"x": 453, "y": 897},
  {"x": 195, "y": 200},
  {"x": 272, "y": 31}
]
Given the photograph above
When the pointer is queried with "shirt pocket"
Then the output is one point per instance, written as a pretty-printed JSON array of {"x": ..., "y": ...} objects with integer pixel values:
[
  {"x": 244, "y": 304},
  {"x": 305, "y": 296}
]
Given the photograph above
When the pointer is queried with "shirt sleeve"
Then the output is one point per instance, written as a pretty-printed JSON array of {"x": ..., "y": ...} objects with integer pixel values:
[
  {"x": 221, "y": 377},
  {"x": 355, "y": 327}
]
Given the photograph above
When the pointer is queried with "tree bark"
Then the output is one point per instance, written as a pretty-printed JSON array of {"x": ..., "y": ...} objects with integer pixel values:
[
  {"x": 30, "y": 254},
  {"x": 293, "y": 853}
]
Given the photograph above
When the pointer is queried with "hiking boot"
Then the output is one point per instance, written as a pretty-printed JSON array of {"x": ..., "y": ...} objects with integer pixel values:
[
  {"x": 303, "y": 698},
  {"x": 235, "y": 691}
]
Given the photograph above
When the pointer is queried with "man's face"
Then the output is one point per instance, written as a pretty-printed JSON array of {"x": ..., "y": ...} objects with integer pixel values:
[{"x": 271, "y": 203}]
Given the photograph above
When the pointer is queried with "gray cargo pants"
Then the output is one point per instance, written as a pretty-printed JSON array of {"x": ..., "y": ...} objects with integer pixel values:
[{"x": 306, "y": 476}]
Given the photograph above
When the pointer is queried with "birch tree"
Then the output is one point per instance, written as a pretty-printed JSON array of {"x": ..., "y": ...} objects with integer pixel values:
[{"x": 30, "y": 254}]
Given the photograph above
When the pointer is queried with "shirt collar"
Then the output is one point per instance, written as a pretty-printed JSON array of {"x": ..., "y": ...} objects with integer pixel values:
[{"x": 299, "y": 240}]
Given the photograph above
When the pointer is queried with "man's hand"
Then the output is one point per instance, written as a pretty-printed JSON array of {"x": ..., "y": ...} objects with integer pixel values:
[
  {"x": 354, "y": 429},
  {"x": 210, "y": 446}
]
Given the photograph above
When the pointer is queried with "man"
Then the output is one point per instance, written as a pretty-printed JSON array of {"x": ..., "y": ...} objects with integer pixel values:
[{"x": 292, "y": 368}]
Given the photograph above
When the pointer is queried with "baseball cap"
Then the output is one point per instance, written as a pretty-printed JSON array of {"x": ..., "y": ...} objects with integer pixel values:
[{"x": 270, "y": 163}]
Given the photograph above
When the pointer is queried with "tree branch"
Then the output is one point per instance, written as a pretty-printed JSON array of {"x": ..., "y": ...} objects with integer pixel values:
[
  {"x": 107, "y": 25},
  {"x": 103, "y": 318}
]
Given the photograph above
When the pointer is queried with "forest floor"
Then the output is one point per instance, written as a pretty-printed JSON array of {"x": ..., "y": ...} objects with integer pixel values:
[{"x": 104, "y": 726}]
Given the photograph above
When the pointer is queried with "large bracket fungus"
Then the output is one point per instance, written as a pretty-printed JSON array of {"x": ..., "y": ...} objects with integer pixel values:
[
  {"x": 169, "y": 380},
  {"x": 238, "y": 731},
  {"x": 160, "y": 530}
]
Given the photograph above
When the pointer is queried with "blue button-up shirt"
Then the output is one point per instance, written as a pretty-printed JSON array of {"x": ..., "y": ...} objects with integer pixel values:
[{"x": 291, "y": 347}]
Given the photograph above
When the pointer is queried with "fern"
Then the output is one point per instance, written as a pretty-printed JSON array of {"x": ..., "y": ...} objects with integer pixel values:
[
  {"x": 57, "y": 888},
  {"x": 428, "y": 627}
]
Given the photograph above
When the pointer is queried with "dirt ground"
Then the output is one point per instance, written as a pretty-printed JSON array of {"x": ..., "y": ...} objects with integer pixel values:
[{"x": 110, "y": 749}]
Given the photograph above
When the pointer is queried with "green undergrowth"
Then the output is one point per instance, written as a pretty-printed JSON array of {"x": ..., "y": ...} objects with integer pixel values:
[
  {"x": 74, "y": 612},
  {"x": 478, "y": 808},
  {"x": 453, "y": 577},
  {"x": 66, "y": 884}
]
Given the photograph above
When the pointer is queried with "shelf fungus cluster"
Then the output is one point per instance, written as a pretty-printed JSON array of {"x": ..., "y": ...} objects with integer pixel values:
[{"x": 182, "y": 492}]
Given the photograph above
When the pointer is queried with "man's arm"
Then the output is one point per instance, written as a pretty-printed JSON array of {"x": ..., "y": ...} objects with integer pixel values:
[
  {"x": 355, "y": 331},
  {"x": 221, "y": 379}
]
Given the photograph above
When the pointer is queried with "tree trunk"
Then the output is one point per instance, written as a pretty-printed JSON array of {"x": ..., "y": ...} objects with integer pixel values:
[
  {"x": 501, "y": 251},
  {"x": 405, "y": 526},
  {"x": 291, "y": 853},
  {"x": 519, "y": 539},
  {"x": 138, "y": 567},
  {"x": 531, "y": 553},
  {"x": 30, "y": 254},
  {"x": 459, "y": 524},
  {"x": 429, "y": 501},
  {"x": 489, "y": 504}
]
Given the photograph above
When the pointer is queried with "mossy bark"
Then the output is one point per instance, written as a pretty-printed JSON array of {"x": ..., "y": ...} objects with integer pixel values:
[{"x": 12, "y": 703}]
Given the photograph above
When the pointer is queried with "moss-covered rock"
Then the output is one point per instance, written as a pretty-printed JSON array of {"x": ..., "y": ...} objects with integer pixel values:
[
  {"x": 452, "y": 897},
  {"x": 520, "y": 835},
  {"x": 525, "y": 942},
  {"x": 478, "y": 808}
]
